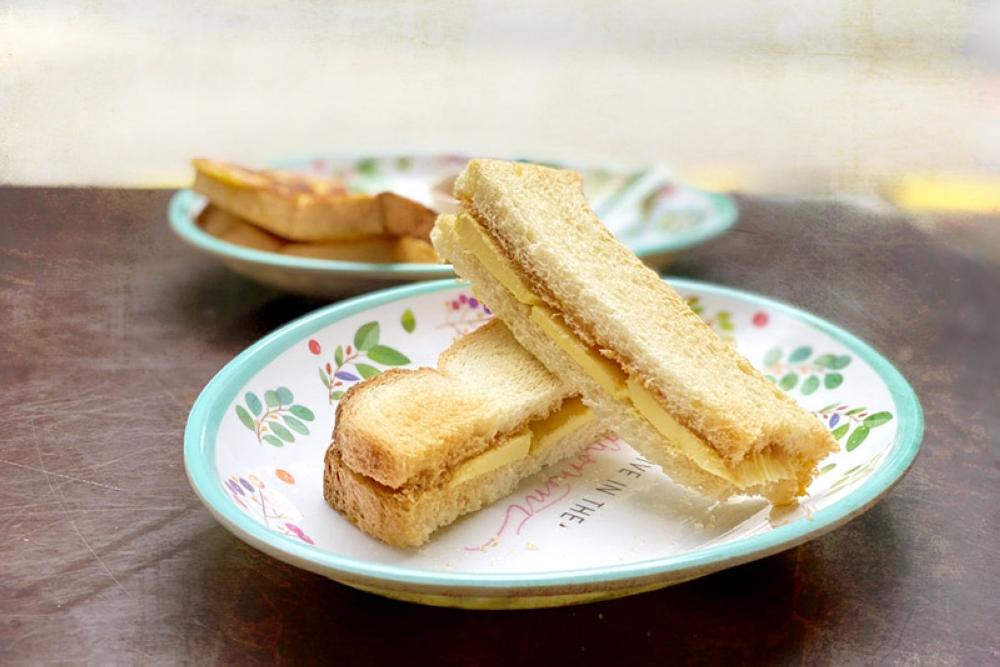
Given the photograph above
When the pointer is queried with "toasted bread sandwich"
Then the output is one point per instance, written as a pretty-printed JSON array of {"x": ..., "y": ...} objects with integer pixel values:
[
  {"x": 612, "y": 329},
  {"x": 306, "y": 209},
  {"x": 415, "y": 449}
]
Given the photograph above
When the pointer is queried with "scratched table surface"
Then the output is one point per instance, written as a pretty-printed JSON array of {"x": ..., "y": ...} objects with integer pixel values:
[{"x": 110, "y": 327}]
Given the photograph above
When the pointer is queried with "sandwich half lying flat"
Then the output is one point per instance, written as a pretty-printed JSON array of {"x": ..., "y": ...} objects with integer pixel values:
[
  {"x": 609, "y": 327},
  {"x": 414, "y": 449}
]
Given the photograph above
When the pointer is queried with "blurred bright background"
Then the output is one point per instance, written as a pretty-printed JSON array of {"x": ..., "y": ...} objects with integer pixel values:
[{"x": 840, "y": 97}]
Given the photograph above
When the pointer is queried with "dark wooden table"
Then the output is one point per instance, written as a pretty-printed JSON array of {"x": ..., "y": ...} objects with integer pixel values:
[{"x": 110, "y": 327}]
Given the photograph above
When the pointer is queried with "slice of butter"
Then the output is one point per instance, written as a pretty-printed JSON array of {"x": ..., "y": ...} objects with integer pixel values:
[
  {"x": 691, "y": 445},
  {"x": 514, "y": 448},
  {"x": 604, "y": 371},
  {"x": 546, "y": 432},
  {"x": 763, "y": 467},
  {"x": 484, "y": 248},
  {"x": 532, "y": 440}
]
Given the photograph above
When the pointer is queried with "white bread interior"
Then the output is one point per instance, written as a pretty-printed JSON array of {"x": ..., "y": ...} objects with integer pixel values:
[{"x": 543, "y": 228}]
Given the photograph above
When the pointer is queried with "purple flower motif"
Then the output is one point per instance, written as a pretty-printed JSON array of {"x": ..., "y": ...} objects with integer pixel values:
[
  {"x": 235, "y": 488},
  {"x": 247, "y": 485},
  {"x": 348, "y": 377},
  {"x": 834, "y": 419},
  {"x": 473, "y": 302},
  {"x": 295, "y": 530}
]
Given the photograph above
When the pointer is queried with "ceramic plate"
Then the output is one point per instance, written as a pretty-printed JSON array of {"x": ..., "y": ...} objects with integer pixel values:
[
  {"x": 599, "y": 525},
  {"x": 649, "y": 211}
]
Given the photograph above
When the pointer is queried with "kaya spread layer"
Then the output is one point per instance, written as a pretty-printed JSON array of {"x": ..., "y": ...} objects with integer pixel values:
[{"x": 759, "y": 468}]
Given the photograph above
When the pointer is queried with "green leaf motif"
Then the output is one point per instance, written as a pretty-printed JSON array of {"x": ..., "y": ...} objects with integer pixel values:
[
  {"x": 825, "y": 360},
  {"x": 285, "y": 396},
  {"x": 366, "y": 337},
  {"x": 830, "y": 407},
  {"x": 245, "y": 417},
  {"x": 324, "y": 378},
  {"x": 387, "y": 356},
  {"x": 338, "y": 355},
  {"x": 855, "y": 411},
  {"x": 839, "y": 432},
  {"x": 302, "y": 412},
  {"x": 772, "y": 357},
  {"x": 800, "y": 354},
  {"x": 253, "y": 403},
  {"x": 810, "y": 385},
  {"x": 877, "y": 419},
  {"x": 827, "y": 468},
  {"x": 841, "y": 362},
  {"x": 282, "y": 432},
  {"x": 788, "y": 381},
  {"x": 773, "y": 379},
  {"x": 409, "y": 321},
  {"x": 271, "y": 440},
  {"x": 295, "y": 424},
  {"x": 336, "y": 395},
  {"x": 271, "y": 398},
  {"x": 366, "y": 371},
  {"x": 859, "y": 435},
  {"x": 833, "y": 380}
]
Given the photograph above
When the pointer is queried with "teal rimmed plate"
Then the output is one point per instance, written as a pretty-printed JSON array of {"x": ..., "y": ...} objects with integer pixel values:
[
  {"x": 648, "y": 210},
  {"x": 601, "y": 525}
]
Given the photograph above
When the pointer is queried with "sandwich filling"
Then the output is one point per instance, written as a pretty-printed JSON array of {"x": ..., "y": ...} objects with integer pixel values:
[
  {"x": 757, "y": 468},
  {"x": 533, "y": 439}
]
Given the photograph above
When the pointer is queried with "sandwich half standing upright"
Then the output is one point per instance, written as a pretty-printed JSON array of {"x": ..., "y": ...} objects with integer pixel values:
[{"x": 608, "y": 327}]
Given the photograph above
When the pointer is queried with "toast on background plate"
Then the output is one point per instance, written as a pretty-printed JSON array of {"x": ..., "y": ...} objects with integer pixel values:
[{"x": 305, "y": 209}]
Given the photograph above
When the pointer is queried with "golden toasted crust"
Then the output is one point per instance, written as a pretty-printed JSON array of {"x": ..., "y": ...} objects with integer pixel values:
[
  {"x": 232, "y": 229},
  {"x": 543, "y": 227},
  {"x": 375, "y": 249},
  {"x": 305, "y": 209}
]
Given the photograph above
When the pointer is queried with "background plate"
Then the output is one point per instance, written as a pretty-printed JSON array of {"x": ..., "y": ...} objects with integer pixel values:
[
  {"x": 650, "y": 212},
  {"x": 603, "y": 524}
]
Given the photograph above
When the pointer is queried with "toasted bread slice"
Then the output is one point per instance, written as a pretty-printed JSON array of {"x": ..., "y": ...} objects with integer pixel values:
[
  {"x": 227, "y": 227},
  {"x": 304, "y": 209},
  {"x": 376, "y": 249},
  {"x": 414, "y": 449},
  {"x": 609, "y": 327}
]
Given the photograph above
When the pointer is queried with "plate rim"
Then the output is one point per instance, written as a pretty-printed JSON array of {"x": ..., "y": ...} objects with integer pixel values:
[{"x": 199, "y": 457}]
